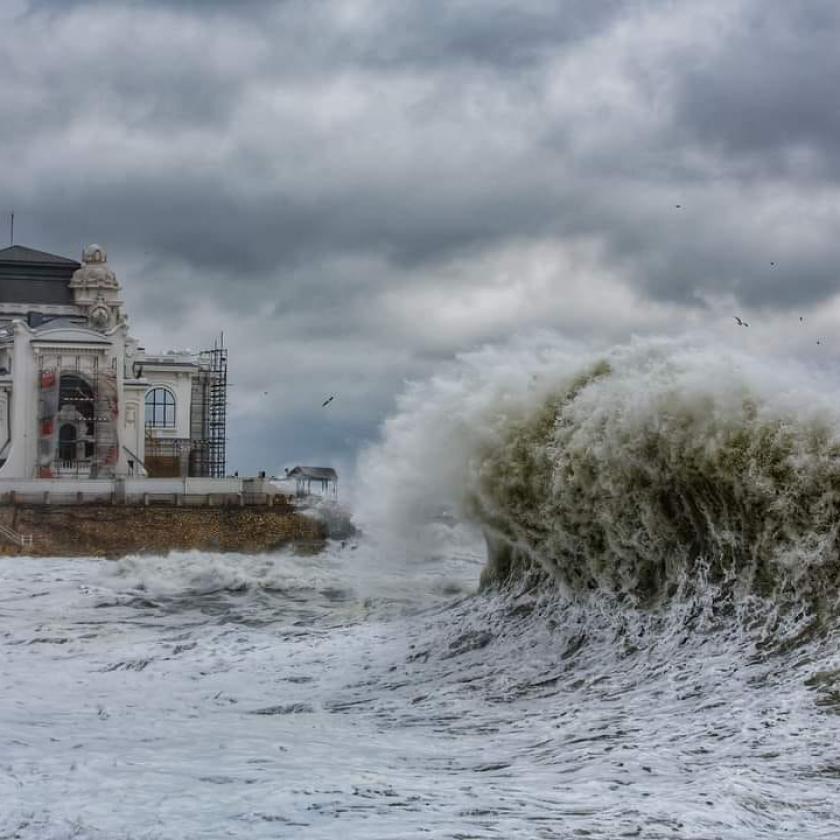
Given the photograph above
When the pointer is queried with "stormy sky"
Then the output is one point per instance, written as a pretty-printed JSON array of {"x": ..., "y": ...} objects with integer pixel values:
[{"x": 354, "y": 191}]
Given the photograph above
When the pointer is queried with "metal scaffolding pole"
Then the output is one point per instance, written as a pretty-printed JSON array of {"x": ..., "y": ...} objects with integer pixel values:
[{"x": 215, "y": 409}]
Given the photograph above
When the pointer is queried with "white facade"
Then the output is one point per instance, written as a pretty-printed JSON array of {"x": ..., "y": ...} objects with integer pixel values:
[{"x": 79, "y": 398}]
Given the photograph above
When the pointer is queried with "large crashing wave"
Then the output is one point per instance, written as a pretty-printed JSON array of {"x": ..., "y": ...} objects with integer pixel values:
[{"x": 625, "y": 471}]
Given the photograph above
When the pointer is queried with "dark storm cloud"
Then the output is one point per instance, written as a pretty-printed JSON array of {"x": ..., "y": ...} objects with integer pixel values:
[
  {"x": 493, "y": 32},
  {"x": 496, "y": 33},
  {"x": 356, "y": 180},
  {"x": 768, "y": 87},
  {"x": 176, "y": 5}
]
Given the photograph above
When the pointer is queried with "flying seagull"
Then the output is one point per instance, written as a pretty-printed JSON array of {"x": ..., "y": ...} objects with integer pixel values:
[
  {"x": 740, "y": 322},
  {"x": 328, "y": 400}
]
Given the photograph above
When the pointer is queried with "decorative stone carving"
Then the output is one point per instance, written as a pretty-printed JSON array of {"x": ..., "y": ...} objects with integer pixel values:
[
  {"x": 94, "y": 254},
  {"x": 96, "y": 289},
  {"x": 95, "y": 272},
  {"x": 100, "y": 315}
]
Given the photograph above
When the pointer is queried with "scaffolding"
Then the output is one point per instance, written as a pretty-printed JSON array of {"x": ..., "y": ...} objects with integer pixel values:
[
  {"x": 78, "y": 411},
  {"x": 165, "y": 458},
  {"x": 105, "y": 443},
  {"x": 210, "y": 451}
]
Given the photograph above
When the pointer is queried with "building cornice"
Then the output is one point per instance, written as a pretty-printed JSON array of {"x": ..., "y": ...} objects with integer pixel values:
[
  {"x": 167, "y": 366},
  {"x": 23, "y": 309},
  {"x": 40, "y": 346}
]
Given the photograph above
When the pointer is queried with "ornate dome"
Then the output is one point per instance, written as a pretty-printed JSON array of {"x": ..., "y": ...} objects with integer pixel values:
[
  {"x": 95, "y": 272},
  {"x": 94, "y": 254}
]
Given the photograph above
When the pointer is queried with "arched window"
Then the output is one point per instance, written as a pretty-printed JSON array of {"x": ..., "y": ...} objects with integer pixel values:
[{"x": 160, "y": 408}]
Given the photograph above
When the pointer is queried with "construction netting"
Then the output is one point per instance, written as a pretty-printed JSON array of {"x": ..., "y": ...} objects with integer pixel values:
[
  {"x": 48, "y": 387},
  {"x": 78, "y": 412}
]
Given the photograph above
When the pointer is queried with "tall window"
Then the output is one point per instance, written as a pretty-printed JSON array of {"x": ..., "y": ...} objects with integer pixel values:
[
  {"x": 67, "y": 443},
  {"x": 160, "y": 408}
]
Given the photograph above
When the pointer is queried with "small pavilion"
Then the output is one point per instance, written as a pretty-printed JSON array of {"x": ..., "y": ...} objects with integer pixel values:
[{"x": 325, "y": 478}]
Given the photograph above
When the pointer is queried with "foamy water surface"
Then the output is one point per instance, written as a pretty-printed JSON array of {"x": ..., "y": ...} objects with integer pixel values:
[{"x": 212, "y": 696}]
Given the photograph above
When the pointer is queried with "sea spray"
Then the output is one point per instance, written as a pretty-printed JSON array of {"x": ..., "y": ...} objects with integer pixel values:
[
  {"x": 621, "y": 471},
  {"x": 415, "y": 479}
]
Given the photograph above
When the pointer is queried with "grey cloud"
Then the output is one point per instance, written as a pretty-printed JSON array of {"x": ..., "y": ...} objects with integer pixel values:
[
  {"x": 501, "y": 33},
  {"x": 302, "y": 162},
  {"x": 493, "y": 33},
  {"x": 767, "y": 87},
  {"x": 202, "y": 219},
  {"x": 62, "y": 6}
]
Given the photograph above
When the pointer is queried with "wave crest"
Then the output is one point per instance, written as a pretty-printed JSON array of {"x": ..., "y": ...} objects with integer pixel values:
[
  {"x": 621, "y": 472},
  {"x": 657, "y": 457}
]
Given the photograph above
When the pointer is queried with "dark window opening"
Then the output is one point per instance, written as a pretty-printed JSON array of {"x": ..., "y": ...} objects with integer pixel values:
[{"x": 67, "y": 443}]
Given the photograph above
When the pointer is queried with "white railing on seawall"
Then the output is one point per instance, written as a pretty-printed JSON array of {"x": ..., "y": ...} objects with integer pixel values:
[
  {"x": 136, "y": 490},
  {"x": 23, "y": 540}
]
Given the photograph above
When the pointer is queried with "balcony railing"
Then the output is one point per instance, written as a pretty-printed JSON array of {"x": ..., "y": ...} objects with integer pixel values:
[{"x": 73, "y": 469}]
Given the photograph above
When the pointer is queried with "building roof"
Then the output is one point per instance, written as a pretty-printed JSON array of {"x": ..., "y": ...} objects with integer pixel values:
[
  {"x": 30, "y": 276},
  {"x": 319, "y": 473},
  {"x": 22, "y": 254}
]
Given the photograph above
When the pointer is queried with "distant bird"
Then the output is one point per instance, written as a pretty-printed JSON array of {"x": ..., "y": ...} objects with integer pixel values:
[
  {"x": 772, "y": 263},
  {"x": 818, "y": 341},
  {"x": 328, "y": 400},
  {"x": 740, "y": 322},
  {"x": 801, "y": 318},
  {"x": 678, "y": 206},
  {"x": 265, "y": 393}
]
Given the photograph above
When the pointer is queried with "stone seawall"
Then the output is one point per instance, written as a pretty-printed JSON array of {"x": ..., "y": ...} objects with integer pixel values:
[{"x": 116, "y": 531}]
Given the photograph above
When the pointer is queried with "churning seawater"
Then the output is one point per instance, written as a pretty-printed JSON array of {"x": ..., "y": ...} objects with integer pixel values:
[
  {"x": 655, "y": 651},
  {"x": 202, "y": 696}
]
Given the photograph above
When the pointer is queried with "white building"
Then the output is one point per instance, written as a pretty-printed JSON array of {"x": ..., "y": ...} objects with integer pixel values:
[{"x": 80, "y": 398}]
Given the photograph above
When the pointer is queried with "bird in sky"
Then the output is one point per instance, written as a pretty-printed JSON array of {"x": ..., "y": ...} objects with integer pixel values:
[
  {"x": 328, "y": 400},
  {"x": 678, "y": 206},
  {"x": 801, "y": 317},
  {"x": 818, "y": 341},
  {"x": 740, "y": 322}
]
